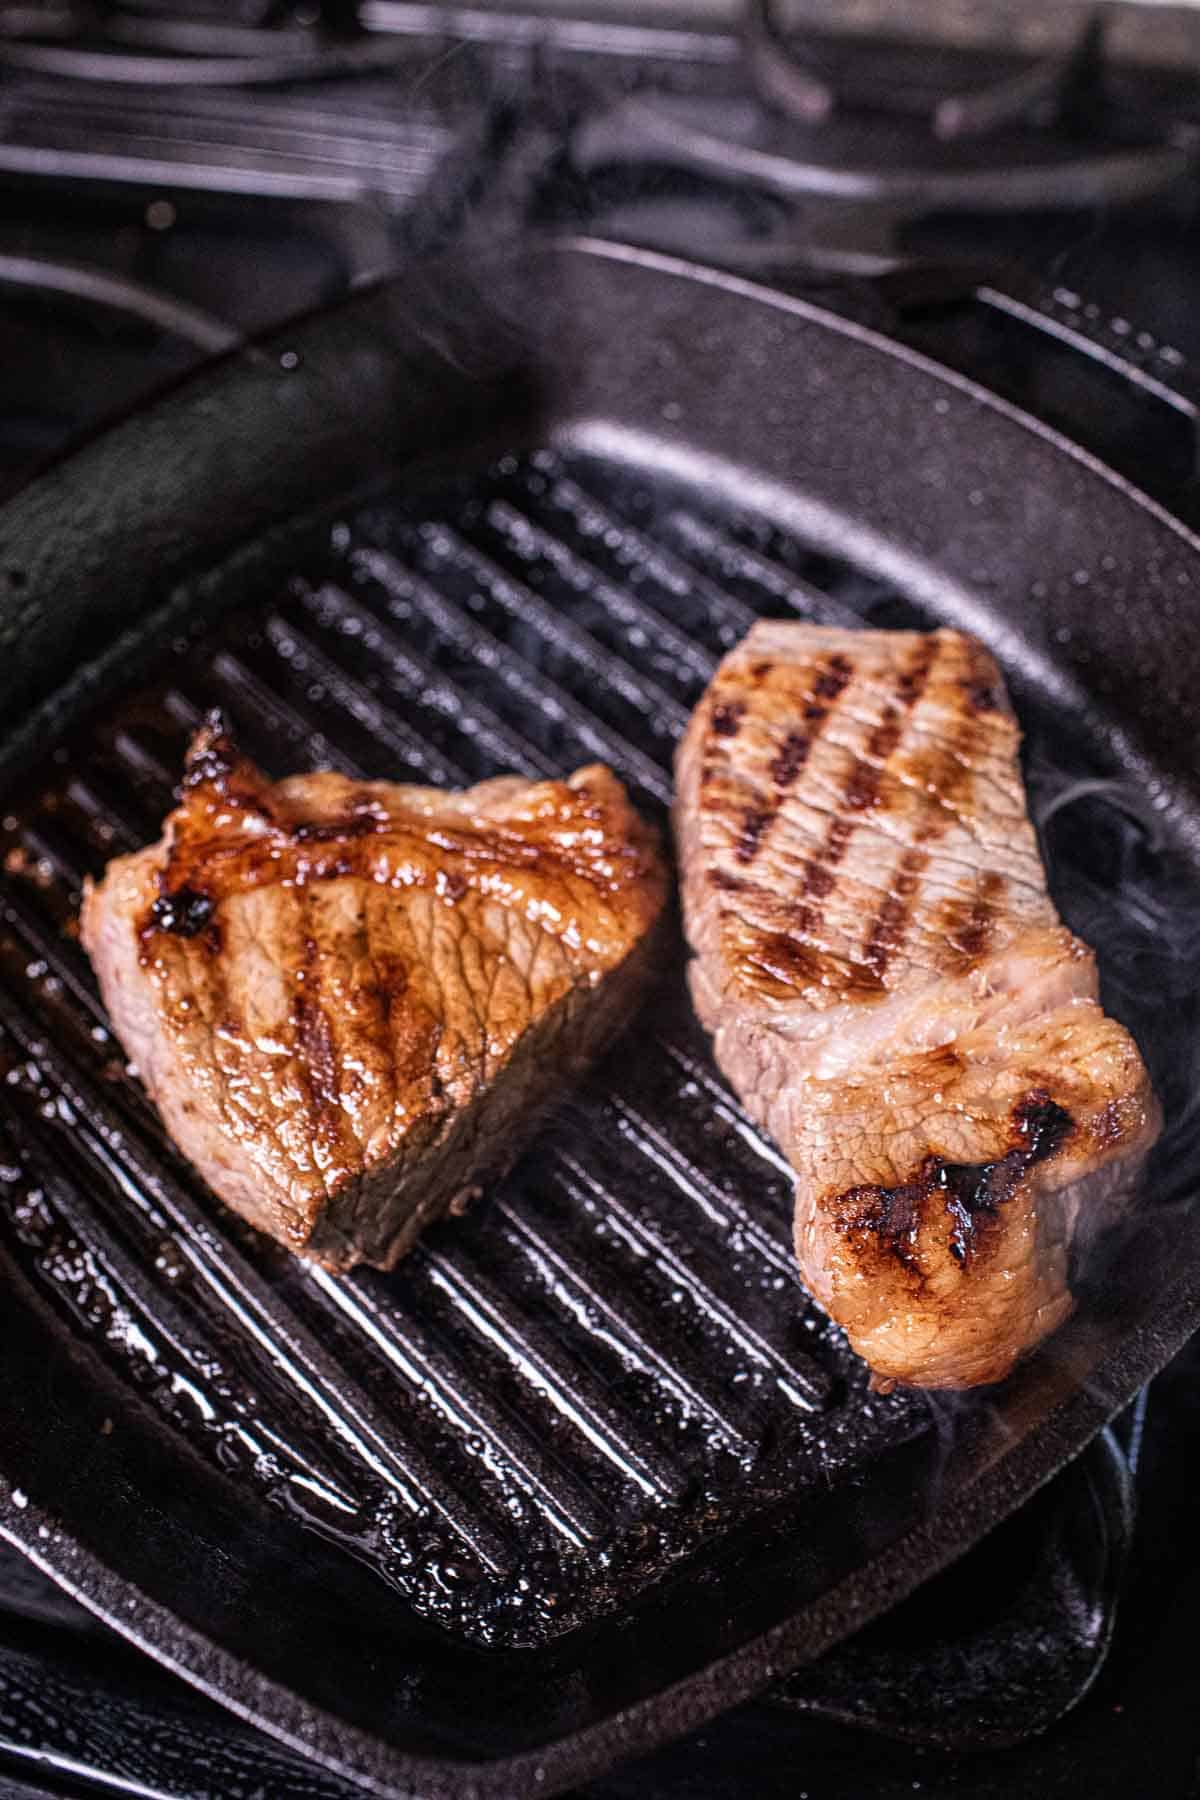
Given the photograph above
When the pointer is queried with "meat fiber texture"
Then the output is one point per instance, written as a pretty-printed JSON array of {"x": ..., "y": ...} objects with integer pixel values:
[
  {"x": 352, "y": 1001},
  {"x": 893, "y": 995}
]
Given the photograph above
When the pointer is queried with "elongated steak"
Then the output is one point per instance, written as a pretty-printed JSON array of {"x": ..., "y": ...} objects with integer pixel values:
[
  {"x": 351, "y": 1001},
  {"x": 893, "y": 995}
]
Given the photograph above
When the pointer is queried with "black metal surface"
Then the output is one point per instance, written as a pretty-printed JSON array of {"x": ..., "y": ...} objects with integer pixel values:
[
  {"x": 909, "y": 138},
  {"x": 973, "y": 1659},
  {"x": 935, "y": 171},
  {"x": 1065, "y": 85},
  {"x": 41, "y": 276},
  {"x": 424, "y": 642},
  {"x": 141, "y": 226},
  {"x": 338, "y": 145},
  {"x": 780, "y": 74},
  {"x": 997, "y": 1648},
  {"x": 1068, "y": 177},
  {"x": 105, "y": 45}
]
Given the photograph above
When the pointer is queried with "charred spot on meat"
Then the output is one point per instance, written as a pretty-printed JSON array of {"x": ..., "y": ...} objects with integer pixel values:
[
  {"x": 726, "y": 719},
  {"x": 183, "y": 910},
  {"x": 971, "y": 1193}
]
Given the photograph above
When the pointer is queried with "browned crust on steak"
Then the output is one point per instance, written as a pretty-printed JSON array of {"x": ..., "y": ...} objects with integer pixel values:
[
  {"x": 893, "y": 995},
  {"x": 352, "y": 1001}
]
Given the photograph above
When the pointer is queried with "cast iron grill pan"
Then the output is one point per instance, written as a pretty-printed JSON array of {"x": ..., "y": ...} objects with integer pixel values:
[
  {"x": 588, "y": 1464},
  {"x": 969, "y": 1660}
]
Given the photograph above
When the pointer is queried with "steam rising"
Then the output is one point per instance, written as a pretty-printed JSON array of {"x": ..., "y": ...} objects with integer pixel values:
[{"x": 1126, "y": 889}]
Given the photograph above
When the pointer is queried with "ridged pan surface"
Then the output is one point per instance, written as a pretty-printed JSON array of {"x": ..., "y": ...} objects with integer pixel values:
[{"x": 589, "y": 1464}]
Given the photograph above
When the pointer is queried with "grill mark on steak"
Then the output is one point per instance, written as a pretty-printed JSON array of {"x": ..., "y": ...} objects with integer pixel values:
[
  {"x": 318, "y": 1058},
  {"x": 944, "y": 773},
  {"x": 391, "y": 984},
  {"x": 913, "y": 680},
  {"x": 864, "y": 784},
  {"x": 332, "y": 831},
  {"x": 892, "y": 1217},
  {"x": 976, "y": 1191},
  {"x": 969, "y": 924},
  {"x": 727, "y": 717},
  {"x": 317, "y": 1066},
  {"x": 830, "y": 683},
  {"x": 793, "y": 753},
  {"x": 819, "y": 877},
  {"x": 751, "y": 832},
  {"x": 790, "y": 963},
  {"x": 791, "y": 915},
  {"x": 450, "y": 885},
  {"x": 220, "y": 999},
  {"x": 889, "y": 924},
  {"x": 861, "y": 792},
  {"x": 943, "y": 777},
  {"x": 797, "y": 745},
  {"x": 886, "y": 735},
  {"x": 834, "y": 679},
  {"x": 983, "y": 697},
  {"x": 981, "y": 691}
]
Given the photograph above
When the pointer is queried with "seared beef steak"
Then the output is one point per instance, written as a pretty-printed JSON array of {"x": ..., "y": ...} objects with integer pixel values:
[
  {"x": 893, "y": 995},
  {"x": 351, "y": 1000}
]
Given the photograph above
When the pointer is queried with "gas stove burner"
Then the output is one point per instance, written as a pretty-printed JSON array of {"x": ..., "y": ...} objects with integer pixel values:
[
  {"x": 145, "y": 48},
  {"x": 1064, "y": 87},
  {"x": 724, "y": 181},
  {"x": 851, "y": 149},
  {"x": 221, "y": 123},
  {"x": 919, "y": 136},
  {"x": 780, "y": 75},
  {"x": 935, "y": 176},
  {"x": 117, "y": 293}
]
